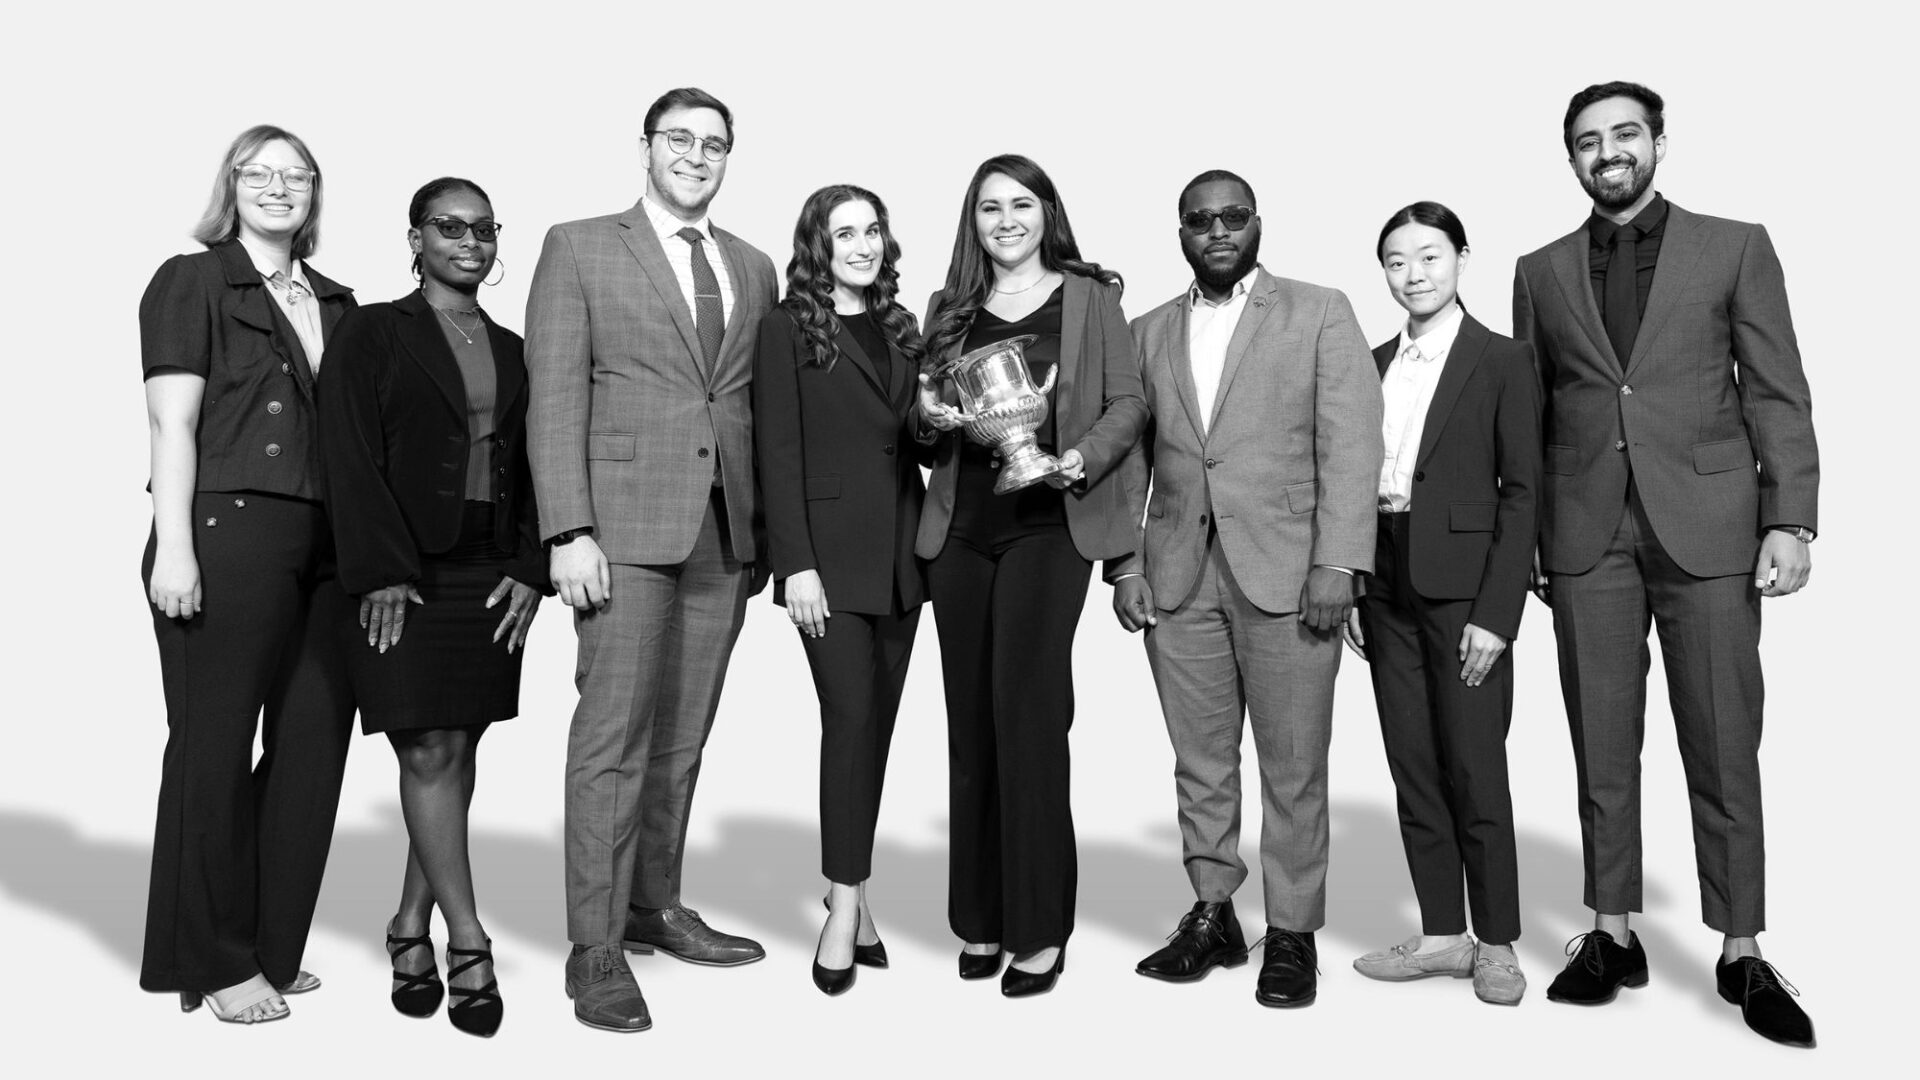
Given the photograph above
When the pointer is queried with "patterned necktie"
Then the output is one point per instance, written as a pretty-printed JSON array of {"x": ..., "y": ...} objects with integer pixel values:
[
  {"x": 709, "y": 318},
  {"x": 1622, "y": 314}
]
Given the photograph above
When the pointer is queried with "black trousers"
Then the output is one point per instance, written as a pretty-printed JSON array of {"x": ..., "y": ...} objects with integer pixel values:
[
  {"x": 238, "y": 846},
  {"x": 1446, "y": 746},
  {"x": 1007, "y": 591},
  {"x": 859, "y": 667}
]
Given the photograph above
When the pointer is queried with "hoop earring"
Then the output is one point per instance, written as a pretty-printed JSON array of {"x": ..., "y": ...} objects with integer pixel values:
[{"x": 501, "y": 264}]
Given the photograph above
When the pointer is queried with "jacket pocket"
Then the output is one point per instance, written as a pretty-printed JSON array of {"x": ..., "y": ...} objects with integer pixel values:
[
  {"x": 1723, "y": 456},
  {"x": 1302, "y": 498},
  {"x": 823, "y": 487},
  {"x": 602, "y": 446},
  {"x": 1560, "y": 459},
  {"x": 1472, "y": 517}
]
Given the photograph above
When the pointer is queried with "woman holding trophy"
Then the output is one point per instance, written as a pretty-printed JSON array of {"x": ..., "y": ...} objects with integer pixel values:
[
  {"x": 833, "y": 420},
  {"x": 1027, "y": 339}
]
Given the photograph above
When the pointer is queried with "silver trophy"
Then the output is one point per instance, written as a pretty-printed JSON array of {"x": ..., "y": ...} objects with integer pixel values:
[{"x": 1003, "y": 409}]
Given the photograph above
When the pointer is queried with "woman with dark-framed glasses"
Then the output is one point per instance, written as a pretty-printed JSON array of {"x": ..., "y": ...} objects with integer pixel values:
[
  {"x": 239, "y": 571},
  {"x": 423, "y": 423},
  {"x": 1009, "y": 572}
]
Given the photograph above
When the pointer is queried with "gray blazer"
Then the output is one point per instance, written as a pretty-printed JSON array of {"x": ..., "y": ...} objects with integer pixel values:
[
  {"x": 624, "y": 418},
  {"x": 1711, "y": 414},
  {"x": 1289, "y": 469}
]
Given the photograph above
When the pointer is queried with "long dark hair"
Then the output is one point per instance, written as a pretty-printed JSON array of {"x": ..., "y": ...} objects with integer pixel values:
[
  {"x": 810, "y": 278},
  {"x": 969, "y": 275},
  {"x": 431, "y": 190},
  {"x": 1431, "y": 214}
]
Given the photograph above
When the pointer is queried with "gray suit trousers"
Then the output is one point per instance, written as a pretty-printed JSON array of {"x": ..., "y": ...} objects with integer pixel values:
[
  {"x": 1217, "y": 658},
  {"x": 1710, "y": 642},
  {"x": 649, "y": 674}
]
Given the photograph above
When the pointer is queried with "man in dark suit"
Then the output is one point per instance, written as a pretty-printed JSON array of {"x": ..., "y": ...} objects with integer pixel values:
[
  {"x": 640, "y": 341},
  {"x": 1264, "y": 450},
  {"x": 1680, "y": 487}
]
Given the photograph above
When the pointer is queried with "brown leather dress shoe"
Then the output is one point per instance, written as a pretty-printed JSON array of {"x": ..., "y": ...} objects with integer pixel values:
[
  {"x": 680, "y": 931},
  {"x": 604, "y": 994}
]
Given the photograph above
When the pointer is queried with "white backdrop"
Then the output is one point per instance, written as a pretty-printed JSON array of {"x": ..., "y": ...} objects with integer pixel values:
[{"x": 116, "y": 122}]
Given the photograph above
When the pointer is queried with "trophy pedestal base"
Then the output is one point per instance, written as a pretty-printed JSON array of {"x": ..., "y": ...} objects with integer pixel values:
[{"x": 1024, "y": 467}]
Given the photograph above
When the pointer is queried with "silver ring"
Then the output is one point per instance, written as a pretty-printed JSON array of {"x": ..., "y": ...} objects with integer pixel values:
[{"x": 512, "y": 614}]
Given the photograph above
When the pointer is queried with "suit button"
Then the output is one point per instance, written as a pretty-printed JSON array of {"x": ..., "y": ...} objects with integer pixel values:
[
  {"x": 240, "y": 503},
  {"x": 1626, "y": 389},
  {"x": 1203, "y": 519},
  {"x": 502, "y": 470},
  {"x": 1420, "y": 474},
  {"x": 702, "y": 452},
  {"x": 889, "y": 448},
  {"x": 211, "y": 522},
  {"x": 1210, "y": 463},
  {"x": 503, "y": 496},
  {"x": 286, "y": 369},
  {"x": 273, "y": 449},
  {"x": 273, "y": 408},
  {"x": 499, "y": 444},
  {"x": 709, "y": 397},
  {"x": 1620, "y": 444}
]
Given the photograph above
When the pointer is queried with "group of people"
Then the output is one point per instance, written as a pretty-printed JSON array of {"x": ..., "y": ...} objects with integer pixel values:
[{"x": 359, "y": 509}]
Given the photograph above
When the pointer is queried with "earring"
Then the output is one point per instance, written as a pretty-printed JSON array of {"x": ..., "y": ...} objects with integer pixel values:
[{"x": 501, "y": 264}]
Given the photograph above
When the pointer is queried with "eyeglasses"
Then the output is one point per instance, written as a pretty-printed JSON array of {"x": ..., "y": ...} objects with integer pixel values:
[
  {"x": 259, "y": 176},
  {"x": 682, "y": 141},
  {"x": 1200, "y": 222},
  {"x": 453, "y": 228}
]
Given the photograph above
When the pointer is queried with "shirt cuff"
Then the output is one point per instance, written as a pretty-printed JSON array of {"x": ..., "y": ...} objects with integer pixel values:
[{"x": 1328, "y": 566}]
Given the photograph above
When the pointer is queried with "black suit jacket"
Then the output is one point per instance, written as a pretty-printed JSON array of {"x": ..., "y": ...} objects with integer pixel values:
[
  {"x": 839, "y": 479},
  {"x": 393, "y": 427},
  {"x": 1476, "y": 478}
]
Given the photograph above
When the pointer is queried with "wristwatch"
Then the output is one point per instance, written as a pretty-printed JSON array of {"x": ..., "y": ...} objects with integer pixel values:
[
  {"x": 568, "y": 536},
  {"x": 1798, "y": 532}
]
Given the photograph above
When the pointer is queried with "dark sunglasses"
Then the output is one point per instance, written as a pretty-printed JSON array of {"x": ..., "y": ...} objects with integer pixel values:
[
  {"x": 453, "y": 228},
  {"x": 1200, "y": 222}
]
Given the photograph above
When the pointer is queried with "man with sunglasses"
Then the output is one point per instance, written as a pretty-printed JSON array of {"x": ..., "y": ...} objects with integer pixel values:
[
  {"x": 1264, "y": 454},
  {"x": 640, "y": 342}
]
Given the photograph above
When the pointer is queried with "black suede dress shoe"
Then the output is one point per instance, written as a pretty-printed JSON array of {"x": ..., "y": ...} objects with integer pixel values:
[
  {"x": 980, "y": 965},
  {"x": 1017, "y": 983},
  {"x": 1207, "y": 937},
  {"x": 1289, "y": 972},
  {"x": 603, "y": 991},
  {"x": 1597, "y": 967},
  {"x": 680, "y": 931},
  {"x": 1765, "y": 1000}
]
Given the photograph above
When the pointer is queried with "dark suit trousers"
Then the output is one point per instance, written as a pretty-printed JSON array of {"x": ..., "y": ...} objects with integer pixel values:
[
  {"x": 1007, "y": 598},
  {"x": 650, "y": 668},
  {"x": 1446, "y": 746},
  {"x": 859, "y": 667},
  {"x": 1710, "y": 642},
  {"x": 239, "y": 846}
]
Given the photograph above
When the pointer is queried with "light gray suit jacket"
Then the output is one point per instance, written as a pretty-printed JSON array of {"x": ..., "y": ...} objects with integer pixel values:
[
  {"x": 1288, "y": 469},
  {"x": 625, "y": 420}
]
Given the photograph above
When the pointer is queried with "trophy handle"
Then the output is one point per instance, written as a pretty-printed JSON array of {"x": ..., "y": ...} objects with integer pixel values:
[{"x": 1048, "y": 384}]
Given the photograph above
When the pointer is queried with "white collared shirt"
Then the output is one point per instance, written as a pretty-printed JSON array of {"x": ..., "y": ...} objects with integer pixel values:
[
  {"x": 1408, "y": 391},
  {"x": 299, "y": 304},
  {"x": 1210, "y": 327},
  {"x": 680, "y": 256}
]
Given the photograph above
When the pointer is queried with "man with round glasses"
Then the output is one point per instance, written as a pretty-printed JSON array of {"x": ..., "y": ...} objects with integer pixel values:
[
  {"x": 1265, "y": 454},
  {"x": 640, "y": 341}
]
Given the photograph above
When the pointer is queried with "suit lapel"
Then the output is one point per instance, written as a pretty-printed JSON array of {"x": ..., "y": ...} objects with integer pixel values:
[
  {"x": 1462, "y": 358},
  {"x": 850, "y": 348},
  {"x": 509, "y": 371},
  {"x": 427, "y": 344},
  {"x": 255, "y": 308},
  {"x": 736, "y": 271},
  {"x": 1077, "y": 296},
  {"x": 1569, "y": 260},
  {"x": 1180, "y": 356},
  {"x": 1260, "y": 300},
  {"x": 1680, "y": 249},
  {"x": 637, "y": 232}
]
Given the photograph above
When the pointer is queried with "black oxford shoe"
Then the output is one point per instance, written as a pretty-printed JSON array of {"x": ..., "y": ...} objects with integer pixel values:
[
  {"x": 1289, "y": 973},
  {"x": 1597, "y": 967},
  {"x": 1765, "y": 1000},
  {"x": 1208, "y": 937}
]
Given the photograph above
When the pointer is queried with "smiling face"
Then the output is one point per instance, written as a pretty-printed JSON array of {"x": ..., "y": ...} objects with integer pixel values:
[
  {"x": 272, "y": 214},
  {"x": 1423, "y": 268},
  {"x": 1009, "y": 221},
  {"x": 685, "y": 183},
  {"x": 858, "y": 248},
  {"x": 1615, "y": 152},
  {"x": 1219, "y": 256},
  {"x": 462, "y": 264}
]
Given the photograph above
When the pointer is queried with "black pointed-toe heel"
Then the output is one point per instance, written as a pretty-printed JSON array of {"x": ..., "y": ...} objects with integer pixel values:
[
  {"x": 1017, "y": 983},
  {"x": 418, "y": 994},
  {"x": 476, "y": 1012},
  {"x": 833, "y": 981},
  {"x": 980, "y": 965},
  {"x": 873, "y": 956}
]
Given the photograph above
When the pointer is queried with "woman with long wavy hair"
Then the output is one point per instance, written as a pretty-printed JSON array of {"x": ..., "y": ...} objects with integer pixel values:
[
  {"x": 833, "y": 422},
  {"x": 1008, "y": 573}
]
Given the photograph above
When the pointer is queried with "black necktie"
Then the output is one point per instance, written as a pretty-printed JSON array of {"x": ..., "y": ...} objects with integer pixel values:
[
  {"x": 1622, "y": 313},
  {"x": 709, "y": 318}
]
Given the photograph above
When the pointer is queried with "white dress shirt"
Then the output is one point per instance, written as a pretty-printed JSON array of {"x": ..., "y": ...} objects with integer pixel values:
[
  {"x": 1210, "y": 326},
  {"x": 294, "y": 296},
  {"x": 1408, "y": 391},
  {"x": 680, "y": 256}
]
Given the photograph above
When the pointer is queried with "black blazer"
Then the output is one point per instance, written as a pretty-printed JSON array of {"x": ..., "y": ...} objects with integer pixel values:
[
  {"x": 394, "y": 431},
  {"x": 839, "y": 479},
  {"x": 210, "y": 314},
  {"x": 1476, "y": 478}
]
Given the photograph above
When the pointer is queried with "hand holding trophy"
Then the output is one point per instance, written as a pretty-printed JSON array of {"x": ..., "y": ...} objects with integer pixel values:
[{"x": 1001, "y": 408}]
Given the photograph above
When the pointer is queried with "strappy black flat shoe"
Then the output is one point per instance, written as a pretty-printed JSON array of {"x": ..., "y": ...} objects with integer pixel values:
[
  {"x": 476, "y": 1012},
  {"x": 419, "y": 993}
]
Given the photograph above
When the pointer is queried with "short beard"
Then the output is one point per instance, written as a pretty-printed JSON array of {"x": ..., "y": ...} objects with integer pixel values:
[
  {"x": 1223, "y": 280},
  {"x": 1639, "y": 179}
]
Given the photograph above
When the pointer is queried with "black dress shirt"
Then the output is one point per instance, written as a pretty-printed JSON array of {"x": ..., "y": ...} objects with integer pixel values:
[{"x": 1651, "y": 223}]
